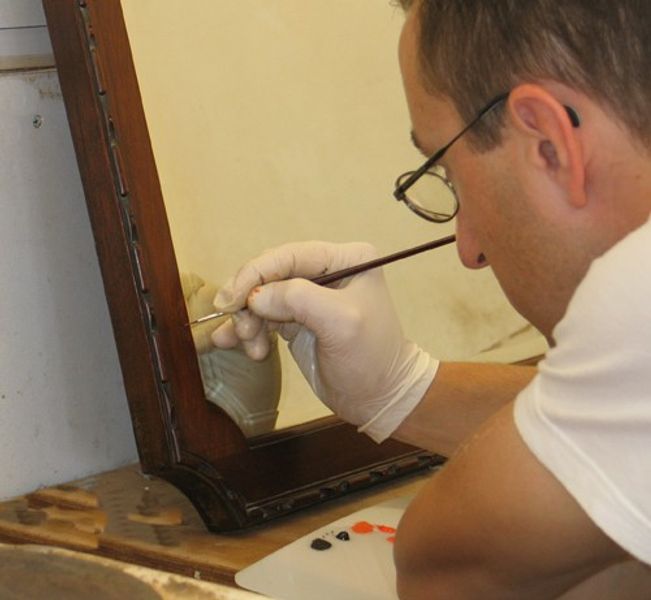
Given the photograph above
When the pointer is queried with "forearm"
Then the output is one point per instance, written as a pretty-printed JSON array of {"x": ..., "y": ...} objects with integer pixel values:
[
  {"x": 494, "y": 522},
  {"x": 349, "y": 344},
  {"x": 461, "y": 397}
]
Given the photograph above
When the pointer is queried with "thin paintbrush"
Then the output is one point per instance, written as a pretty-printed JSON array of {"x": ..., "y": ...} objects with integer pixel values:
[{"x": 350, "y": 271}]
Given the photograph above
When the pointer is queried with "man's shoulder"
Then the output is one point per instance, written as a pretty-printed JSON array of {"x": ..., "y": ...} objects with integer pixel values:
[
  {"x": 627, "y": 256},
  {"x": 618, "y": 280}
]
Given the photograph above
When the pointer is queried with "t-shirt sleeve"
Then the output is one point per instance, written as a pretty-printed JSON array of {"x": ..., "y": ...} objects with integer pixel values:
[{"x": 587, "y": 414}]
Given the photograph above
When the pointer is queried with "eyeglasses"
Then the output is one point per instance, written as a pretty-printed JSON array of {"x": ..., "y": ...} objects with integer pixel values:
[{"x": 431, "y": 194}]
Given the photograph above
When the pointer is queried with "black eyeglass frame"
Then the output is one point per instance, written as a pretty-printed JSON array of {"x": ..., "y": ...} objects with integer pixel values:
[{"x": 401, "y": 187}]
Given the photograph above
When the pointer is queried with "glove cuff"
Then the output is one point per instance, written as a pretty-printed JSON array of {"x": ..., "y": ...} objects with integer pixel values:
[{"x": 387, "y": 420}]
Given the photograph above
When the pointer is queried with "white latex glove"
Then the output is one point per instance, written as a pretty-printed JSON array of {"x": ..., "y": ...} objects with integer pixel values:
[{"x": 346, "y": 340}]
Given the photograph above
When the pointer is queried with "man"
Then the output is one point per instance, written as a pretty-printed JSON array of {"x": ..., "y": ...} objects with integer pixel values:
[{"x": 536, "y": 113}]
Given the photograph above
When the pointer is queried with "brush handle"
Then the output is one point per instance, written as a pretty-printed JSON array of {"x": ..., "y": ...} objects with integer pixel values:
[
  {"x": 329, "y": 278},
  {"x": 379, "y": 262}
]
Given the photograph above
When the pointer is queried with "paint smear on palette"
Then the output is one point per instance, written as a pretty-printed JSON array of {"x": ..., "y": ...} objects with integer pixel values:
[
  {"x": 351, "y": 557},
  {"x": 366, "y": 527},
  {"x": 386, "y": 529},
  {"x": 320, "y": 544},
  {"x": 360, "y": 528}
]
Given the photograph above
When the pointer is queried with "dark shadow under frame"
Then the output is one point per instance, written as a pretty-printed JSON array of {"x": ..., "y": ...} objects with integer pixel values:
[{"x": 181, "y": 437}]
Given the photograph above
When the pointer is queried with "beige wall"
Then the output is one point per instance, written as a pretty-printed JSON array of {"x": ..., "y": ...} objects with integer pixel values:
[{"x": 278, "y": 120}]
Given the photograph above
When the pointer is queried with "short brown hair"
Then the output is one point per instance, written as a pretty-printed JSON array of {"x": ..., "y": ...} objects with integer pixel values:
[{"x": 473, "y": 50}]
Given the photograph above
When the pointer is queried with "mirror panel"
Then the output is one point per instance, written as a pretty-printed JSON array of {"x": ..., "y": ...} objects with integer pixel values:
[{"x": 284, "y": 120}]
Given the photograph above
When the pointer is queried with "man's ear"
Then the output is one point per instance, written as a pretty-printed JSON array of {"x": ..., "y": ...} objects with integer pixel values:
[{"x": 553, "y": 144}]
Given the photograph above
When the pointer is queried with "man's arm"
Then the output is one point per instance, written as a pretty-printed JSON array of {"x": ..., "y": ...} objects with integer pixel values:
[
  {"x": 494, "y": 523},
  {"x": 460, "y": 399}
]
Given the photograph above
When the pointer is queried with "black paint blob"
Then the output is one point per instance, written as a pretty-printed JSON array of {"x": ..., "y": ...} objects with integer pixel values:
[
  {"x": 319, "y": 544},
  {"x": 343, "y": 536}
]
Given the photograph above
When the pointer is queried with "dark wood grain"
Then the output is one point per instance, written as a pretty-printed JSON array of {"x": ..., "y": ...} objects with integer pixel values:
[{"x": 233, "y": 483}]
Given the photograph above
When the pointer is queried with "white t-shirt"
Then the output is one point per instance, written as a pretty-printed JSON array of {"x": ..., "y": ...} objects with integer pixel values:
[{"x": 587, "y": 414}]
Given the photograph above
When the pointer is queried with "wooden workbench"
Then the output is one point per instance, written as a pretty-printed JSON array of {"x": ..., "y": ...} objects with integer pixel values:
[{"x": 145, "y": 521}]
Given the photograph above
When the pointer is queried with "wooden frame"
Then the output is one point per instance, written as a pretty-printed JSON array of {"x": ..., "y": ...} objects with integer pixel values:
[{"x": 181, "y": 437}]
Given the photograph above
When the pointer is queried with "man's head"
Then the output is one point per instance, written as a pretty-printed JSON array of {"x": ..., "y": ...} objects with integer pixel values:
[
  {"x": 473, "y": 50},
  {"x": 539, "y": 197}
]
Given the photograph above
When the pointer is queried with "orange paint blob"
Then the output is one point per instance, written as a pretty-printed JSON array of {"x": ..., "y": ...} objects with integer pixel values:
[
  {"x": 362, "y": 527},
  {"x": 386, "y": 529},
  {"x": 391, "y": 540}
]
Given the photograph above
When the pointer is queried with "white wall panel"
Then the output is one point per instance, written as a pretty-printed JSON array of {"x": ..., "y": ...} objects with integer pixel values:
[
  {"x": 63, "y": 410},
  {"x": 21, "y": 13},
  {"x": 24, "y": 40}
]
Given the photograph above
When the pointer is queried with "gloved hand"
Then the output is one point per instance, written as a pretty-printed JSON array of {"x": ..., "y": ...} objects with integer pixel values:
[{"x": 347, "y": 339}]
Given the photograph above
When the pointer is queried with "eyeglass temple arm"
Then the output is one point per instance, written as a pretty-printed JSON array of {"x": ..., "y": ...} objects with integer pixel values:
[{"x": 399, "y": 191}]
